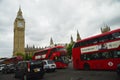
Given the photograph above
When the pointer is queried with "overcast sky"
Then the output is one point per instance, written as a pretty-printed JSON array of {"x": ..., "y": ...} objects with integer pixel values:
[{"x": 58, "y": 19}]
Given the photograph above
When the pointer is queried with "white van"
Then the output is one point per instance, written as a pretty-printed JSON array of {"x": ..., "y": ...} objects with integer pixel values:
[{"x": 49, "y": 65}]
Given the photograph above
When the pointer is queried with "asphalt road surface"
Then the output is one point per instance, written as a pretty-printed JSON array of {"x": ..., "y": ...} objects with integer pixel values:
[{"x": 71, "y": 74}]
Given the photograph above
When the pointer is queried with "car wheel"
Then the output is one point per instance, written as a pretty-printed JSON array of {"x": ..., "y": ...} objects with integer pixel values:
[
  {"x": 3, "y": 71},
  {"x": 86, "y": 67},
  {"x": 42, "y": 76},
  {"x": 6, "y": 72},
  {"x": 53, "y": 70},
  {"x": 15, "y": 75},
  {"x": 24, "y": 77},
  {"x": 118, "y": 71}
]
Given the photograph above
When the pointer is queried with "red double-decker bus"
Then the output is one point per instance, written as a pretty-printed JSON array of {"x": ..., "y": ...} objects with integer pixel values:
[
  {"x": 101, "y": 52},
  {"x": 13, "y": 60},
  {"x": 58, "y": 54}
]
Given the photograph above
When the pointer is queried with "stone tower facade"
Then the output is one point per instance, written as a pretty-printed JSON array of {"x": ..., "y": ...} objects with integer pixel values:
[
  {"x": 30, "y": 50},
  {"x": 19, "y": 34},
  {"x": 51, "y": 41},
  {"x": 71, "y": 39},
  {"x": 78, "y": 36}
]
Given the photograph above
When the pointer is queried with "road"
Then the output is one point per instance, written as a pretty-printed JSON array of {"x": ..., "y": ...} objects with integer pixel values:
[{"x": 71, "y": 74}]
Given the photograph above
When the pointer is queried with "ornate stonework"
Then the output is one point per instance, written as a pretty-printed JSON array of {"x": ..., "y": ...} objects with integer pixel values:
[
  {"x": 78, "y": 36},
  {"x": 104, "y": 29}
]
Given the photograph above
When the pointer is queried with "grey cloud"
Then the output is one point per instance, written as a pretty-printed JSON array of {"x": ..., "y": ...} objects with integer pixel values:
[
  {"x": 56, "y": 18},
  {"x": 114, "y": 21}
]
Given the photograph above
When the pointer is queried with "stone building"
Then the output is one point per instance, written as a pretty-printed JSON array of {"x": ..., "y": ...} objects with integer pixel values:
[
  {"x": 51, "y": 41},
  {"x": 78, "y": 36},
  {"x": 105, "y": 28},
  {"x": 30, "y": 50}
]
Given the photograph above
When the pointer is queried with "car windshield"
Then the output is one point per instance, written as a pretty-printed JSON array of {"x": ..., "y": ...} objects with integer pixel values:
[
  {"x": 10, "y": 65},
  {"x": 50, "y": 62},
  {"x": 2, "y": 65},
  {"x": 35, "y": 62}
]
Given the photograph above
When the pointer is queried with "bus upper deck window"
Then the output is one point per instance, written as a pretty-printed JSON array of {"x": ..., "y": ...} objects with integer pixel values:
[
  {"x": 95, "y": 40},
  {"x": 76, "y": 45},
  {"x": 116, "y": 35},
  {"x": 116, "y": 54},
  {"x": 101, "y": 40}
]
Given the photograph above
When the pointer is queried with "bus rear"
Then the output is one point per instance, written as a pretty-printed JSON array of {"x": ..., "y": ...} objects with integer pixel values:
[{"x": 60, "y": 57}]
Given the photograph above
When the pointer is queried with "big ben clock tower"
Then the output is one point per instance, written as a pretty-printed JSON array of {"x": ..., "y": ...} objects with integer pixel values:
[{"x": 19, "y": 34}]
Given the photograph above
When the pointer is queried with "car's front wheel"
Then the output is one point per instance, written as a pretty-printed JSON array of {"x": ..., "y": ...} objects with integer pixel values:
[
  {"x": 4, "y": 71},
  {"x": 15, "y": 76},
  {"x": 86, "y": 66},
  {"x": 118, "y": 71},
  {"x": 24, "y": 77},
  {"x": 53, "y": 70}
]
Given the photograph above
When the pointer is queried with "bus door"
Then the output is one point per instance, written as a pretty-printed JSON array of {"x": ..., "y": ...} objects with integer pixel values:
[
  {"x": 91, "y": 60},
  {"x": 116, "y": 58},
  {"x": 107, "y": 60}
]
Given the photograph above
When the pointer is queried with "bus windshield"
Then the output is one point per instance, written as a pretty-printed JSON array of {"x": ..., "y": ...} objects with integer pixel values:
[
  {"x": 61, "y": 49},
  {"x": 63, "y": 59}
]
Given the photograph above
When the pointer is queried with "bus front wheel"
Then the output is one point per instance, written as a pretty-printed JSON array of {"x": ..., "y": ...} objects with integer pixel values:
[{"x": 86, "y": 66}]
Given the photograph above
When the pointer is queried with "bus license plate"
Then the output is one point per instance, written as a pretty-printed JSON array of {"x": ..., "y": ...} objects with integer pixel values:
[{"x": 36, "y": 70}]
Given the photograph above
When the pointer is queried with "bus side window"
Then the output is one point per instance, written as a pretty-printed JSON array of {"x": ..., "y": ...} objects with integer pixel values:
[
  {"x": 106, "y": 55},
  {"x": 84, "y": 43},
  {"x": 84, "y": 57},
  {"x": 116, "y": 54},
  {"x": 116, "y": 35},
  {"x": 92, "y": 41},
  {"x": 95, "y": 56},
  {"x": 110, "y": 37},
  {"x": 76, "y": 45},
  {"x": 88, "y": 57},
  {"x": 103, "y": 38},
  {"x": 100, "y": 39},
  {"x": 95, "y": 41}
]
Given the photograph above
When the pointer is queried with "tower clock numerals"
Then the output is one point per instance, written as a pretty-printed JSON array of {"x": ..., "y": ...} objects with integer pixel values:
[{"x": 20, "y": 24}]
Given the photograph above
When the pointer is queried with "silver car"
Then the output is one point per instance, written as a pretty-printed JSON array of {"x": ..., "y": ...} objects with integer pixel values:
[{"x": 49, "y": 65}]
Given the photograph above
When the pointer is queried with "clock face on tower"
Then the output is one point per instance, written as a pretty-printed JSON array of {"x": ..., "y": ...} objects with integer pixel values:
[{"x": 20, "y": 24}]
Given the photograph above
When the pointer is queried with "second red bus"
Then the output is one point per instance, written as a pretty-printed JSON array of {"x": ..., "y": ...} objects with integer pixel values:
[{"x": 58, "y": 54}]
